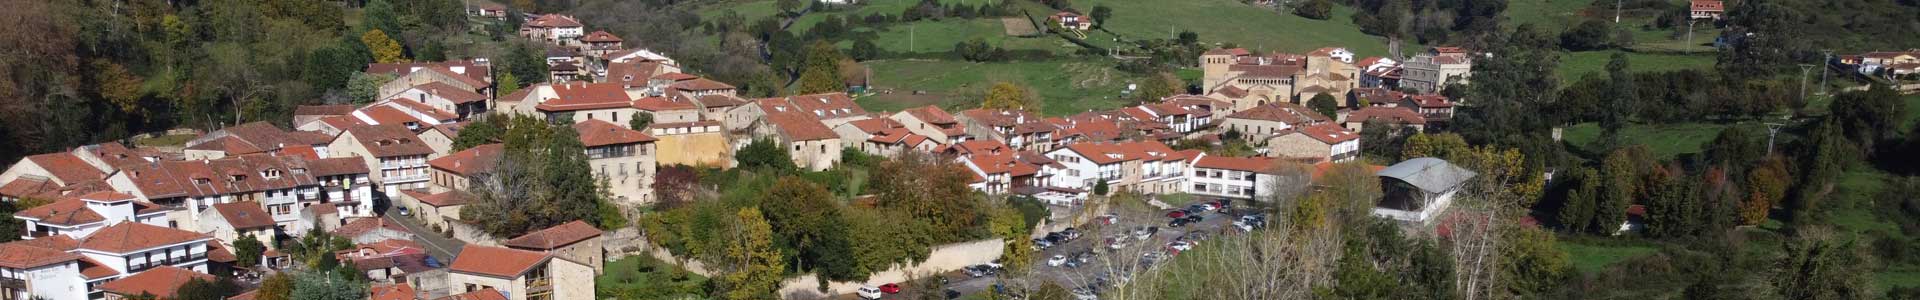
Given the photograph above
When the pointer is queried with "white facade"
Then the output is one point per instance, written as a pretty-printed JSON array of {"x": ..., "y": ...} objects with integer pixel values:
[
  {"x": 191, "y": 255},
  {"x": 55, "y": 281}
]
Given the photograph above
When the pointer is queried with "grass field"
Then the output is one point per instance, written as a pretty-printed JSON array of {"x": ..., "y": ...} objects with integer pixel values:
[
  {"x": 1065, "y": 86},
  {"x": 1576, "y": 64},
  {"x": 1555, "y": 14},
  {"x": 1913, "y": 108},
  {"x": 1666, "y": 141},
  {"x": 1230, "y": 21},
  {"x": 642, "y": 277},
  {"x": 1589, "y": 258}
]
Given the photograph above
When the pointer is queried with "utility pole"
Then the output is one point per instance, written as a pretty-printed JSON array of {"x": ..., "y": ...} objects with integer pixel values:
[
  {"x": 1823, "y": 70},
  {"x": 1803, "y": 81},
  {"x": 1772, "y": 129},
  {"x": 909, "y": 38},
  {"x": 1689, "y": 32},
  {"x": 1616, "y": 10}
]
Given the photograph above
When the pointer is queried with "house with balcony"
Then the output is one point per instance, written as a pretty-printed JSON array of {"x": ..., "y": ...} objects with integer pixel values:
[
  {"x": 999, "y": 169},
  {"x": 1144, "y": 167},
  {"x": 1019, "y": 129},
  {"x": 520, "y": 274},
  {"x": 399, "y": 156},
  {"x": 345, "y": 183},
  {"x": 278, "y": 183},
  {"x": 882, "y": 137},
  {"x": 1417, "y": 190},
  {"x": 474, "y": 75},
  {"x": 600, "y": 44},
  {"x": 555, "y": 29},
  {"x": 78, "y": 217},
  {"x": 454, "y": 171},
  {"x": 932, "y": 122},
  {"x": 34, "y": 272},
  {"x": 621, "y": 158},
  {"x": 132, "y": 247},
  {"x": 1232, "y": 177}
]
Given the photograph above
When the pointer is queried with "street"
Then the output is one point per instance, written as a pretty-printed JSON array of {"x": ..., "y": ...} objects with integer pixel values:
[{"x": 439, "y": 246}]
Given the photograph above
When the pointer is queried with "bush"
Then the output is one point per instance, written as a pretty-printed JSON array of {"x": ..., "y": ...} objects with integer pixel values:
[{"x": 1315, "y": 9}]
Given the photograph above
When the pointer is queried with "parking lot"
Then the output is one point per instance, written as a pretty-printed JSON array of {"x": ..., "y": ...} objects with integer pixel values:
[{"x": 1105, "y": 262}]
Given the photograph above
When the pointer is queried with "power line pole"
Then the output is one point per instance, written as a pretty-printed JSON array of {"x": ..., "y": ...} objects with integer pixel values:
[
  {"x": 1823, "y": 70},
  {"x": 1689, "y": 32},
  {"x": 1803, "y": 81},
  {"x": 1772, "y": 129},
  {"x": 1616, "y": 10}
]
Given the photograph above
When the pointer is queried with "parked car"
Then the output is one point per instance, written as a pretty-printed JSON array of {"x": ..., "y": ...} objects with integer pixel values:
[
  {"x": 1084, "y": 294},
  {"x": 890, "y": 288},
  {"x": 1177, "y": 223},
  {"x": 1057, "y": 260},
  {"x": 1107, "y": 219},
  {"x": 1143, "y": 233},
  {"x": 868, "y": 292},
  {"x": 1180, "y": 245},
  {"x": 1177, "y": 214},
  {"x": 1041, "y": 244},
  {"x": 975, "y": 271},
  {"x": 405, "y": 212},
  {"x": 1117, "y": 243}
]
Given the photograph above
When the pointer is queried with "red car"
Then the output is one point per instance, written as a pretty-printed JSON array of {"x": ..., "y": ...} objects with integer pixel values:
[
  {"x": 1177, "y": 214},
  {"x": 890, "y": 288}
]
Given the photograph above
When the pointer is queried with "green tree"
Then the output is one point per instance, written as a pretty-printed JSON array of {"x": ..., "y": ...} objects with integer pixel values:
[
  {"x": 1324, "y": 104},
  {"x": 202, "y": 289},
  {"x": 1441, "y": 145},
  {"x": 326, "y": 285},
  {"x": 526, "y": 62},
  {"x": 1533, "y": 263},
  {"x": 1008, "y": 95},
  {"x": 364, "y": 88},
  {"x": 481, "y": 132},
  {"x": 1576, "y": 213},
  {"x": 542, "y": 180},
  {"x": 434, "y": 50},
  {"x": 331, "y": 67},
  {"x": 764, "y": 154},
  {"x": 931, "y": 190},
  {"x": 1100, "y": 15},
  {"x": 506, "y": 84},
  {"x": 1820, "y": 266},
  {"x": 278, "y": 286},
  {"x": 1868, "y": 117},
  {"x": 864, "y": 49},
  {"x": 1314, "y": 9},
  {"x": 1676, "y": 209},
  {"x": 753, "y": 266},
  {"x": 1622, "y": 171},
  {"x": 822, "y": 73},
  {"x": 640, "y": 121},
  {"x": 1828, "y": 153},
  {"x": 1100, "y": 188},
  {"x": 788, "y": 7},
  {"x": 1158, "y": 86},
  {"x": 804, "y": 216},
  {"x": 119, "y": 86},
  {"x": 380, "y": 15},
  {"x": 1593, "y": 34},
  {"x": 385, "y": 49},
  {"x": 1621, "y": 93},
  {"x": 249, "y": 250}
]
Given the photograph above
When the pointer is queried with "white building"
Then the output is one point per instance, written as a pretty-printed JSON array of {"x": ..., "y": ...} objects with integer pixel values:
[
  {"x": 80, "y": 216},
  {"x": 1232, "y": 177},
  {"x": 1419, "y": 189},
  {"x": 30, "y": 272},
  {"x": 397, "y": 153}
]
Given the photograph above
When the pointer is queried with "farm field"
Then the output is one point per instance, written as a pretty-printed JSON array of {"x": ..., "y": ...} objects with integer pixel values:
[
  {"x": 1574, "y": 65},
  {"x": 1065, "y": 86},
  {"x": 1666, "y": 141}
]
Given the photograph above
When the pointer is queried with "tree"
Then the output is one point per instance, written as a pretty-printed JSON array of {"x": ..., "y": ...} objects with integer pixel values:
[
  {"x": 326, "y": 285},
  {"x": 753, "y": 266},
  {"x": 1622, "y": 94},
  {"x": 1593, "y": 34},
  {"x": 363, "y": 88},
  {"x": 1433, "y": 145},
  {"x": 1009, "y": 95},
  {"x": 804, "y": 216},
  {"x": 1315, "y": 9},
  {"x": 822, "y": 73},
  {"x": 864, "y": 49},
  {"x": 526, "y": 62},
  {"x": 1158, "y": 86},
  {"x": 1324, "y": 104},
  {"x": 198, "y": 289},
  {"x": 249, "y": 250},
  {"x": 508, "y": 84},
  {"x": 1820, "y": 266},
  {"x": 1100, "y": 188},
  {"x": 331, "y": 67},
  {"x": 481, "y": 132},
  {"x": 931, "y": 190},
  {"x": 434, "y": 50},
  {"x": 764, "y": 154},
  {"x": 978, "y": 50},
  {"x": 1100, "y": 15},
  {"x": 541, "y": 180},
  {"x": 640, "y": 121},
  {"x": 278, "y": 286},
  {"x": 1576, "y": 212},
  {"x": 380, "y": 15},
  {"x": 1868, "y": 117},
  {"x": 1534, "y": 263},
  {"x": 1621, "y": 173},
  {"x": 119, "y": 86},
  {"x": 385, "y": 49},
  {"x": 1766, "y": 185},
  {"x": 1189, "y": 38},
  {"x": 788, "y": 7},
  {"x": 1676, "y": 209}
]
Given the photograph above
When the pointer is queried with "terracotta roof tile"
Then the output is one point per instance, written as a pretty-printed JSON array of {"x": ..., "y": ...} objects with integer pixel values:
[
  {"x": 600, "y": 36},
  {"x": 92, "y": 269},
  {"x": 1292, "y": 114},
  {"x": 19, "y": 256},
  {"x": 1392, "y": 115},
  {"x": 455, "y": 94},
  {"x": 160, "y": 281},
  {"x": 555, "y": 237},
  {"x": 217, "y": 251},
  {"x": 366, "y": 225},
  {"x": 1249, "y": 164},
  {"x": 594, "y": 133},
  {"x": 66, "y": 167},
  {"x": 482, "y": 294},
  {"x": 244, "y": 215},
  {"x": 701, "y": 84},
  {"x": 572, "y": 96},
  {"x": 472, "y": 161},
  {"x": 932, "y": 115},
  {"x": 1328, "y": 133},
  {"x": 660, "y": 104},
  {"x": 496, "y": 261},
  {"x": 632, "y": 72},
  {"x": 337, "y": 166},
  {"x": 442, "y": 199},
  {"x": 554, "y": 20},
  {"x": 126, "y": 237},
  {"x": 400, "y": 291},
  {"x": 389, "y": 140},
  {"x": 60, "y": 242},
  {"x": 795, "y": 124},
  {"x": 322, "y": 110}
]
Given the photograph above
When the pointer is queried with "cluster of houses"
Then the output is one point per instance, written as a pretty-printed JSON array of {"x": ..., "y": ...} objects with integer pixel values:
[
  {"x": 122, "y": 220},
  {"x": 1884, "y": 64}
]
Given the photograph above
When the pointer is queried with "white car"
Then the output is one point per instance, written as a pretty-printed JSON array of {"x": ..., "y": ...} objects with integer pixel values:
[
  {"x": 1180, "y": 246},
  {"x": 868, "y": 292},
  {"x": 1057, "y": 260}
]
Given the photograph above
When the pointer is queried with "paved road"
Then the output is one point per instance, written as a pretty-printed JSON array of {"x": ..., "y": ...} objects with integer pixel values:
[
  {"x": 437, "y": 245},
  {"x": 1107, "y": 260}
]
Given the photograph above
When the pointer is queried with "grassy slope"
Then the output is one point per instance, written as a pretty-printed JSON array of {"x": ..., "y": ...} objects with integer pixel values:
[
  {"x": 1552, "y": 14},
  {"x": 646, "y": 276},
  {"x": 1084, "y": 84},
  {"x": 1665, "y": 141},
  {"x": 1231, "y": 21},
  {"x": 1589, "y": 258},
  {"x": 1577, "y": 64}
]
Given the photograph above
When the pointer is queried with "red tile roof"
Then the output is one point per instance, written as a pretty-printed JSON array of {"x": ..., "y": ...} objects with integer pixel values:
[
  {"x": 795, "y": 124},
  {"x": 467, "y": 72},
  {"x": 160, "y": 281},
  {"x": 634, "y": 72},
  {"x": 1391, "y": 115},
  {"x": 389, "y": 140},
  {"x": 594, "y": 133},
  {"x": 366, "y": 225},
  {"x": 442, "y": 199},
  {"x": 578, "y": 95},
  {"x": 554, "y": 20},
  {"x": 478, "y": 159},
  {"x": 1229, "y": 51},
  {"x": 217, "y": 251},
  {"x": 92, "y": 269},
  {"x": 1000, "y": 117},
  {"x": 1292, "y": 114},
  {"x": 19, "y": 256},
  {"x": 229, "y": 145},
  {"x": 701, "y": 84},
  {"x": 555, "y": 237},
  {"x": 67, "y": 167},
  {"x": 126, "y": 237},
  {"x": 25, "y": 187},
  {"x": 660, "y": 104},
  {"x": 337, "y": 166},
  {"x": 932, "y": 115},
  {"x": 1431, "y": 101},
  {"x": 1107, "y": 153},
  {"x": 600, "y": 36},
  {"x": 1706, "y": 5},
  {"x": 73, "y": 211},
  {"x": 1328, "y": 133},
  {"x": 60, "y": 242},
  {"x": 400, "y": 291},
  {"x": 482, "y": 294},
  {"x": 244, "y": 215},
  {"x": 826, "y": 105},
  {"x": 322, "y": 110},
  {"x": 496, "y": 261}
]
